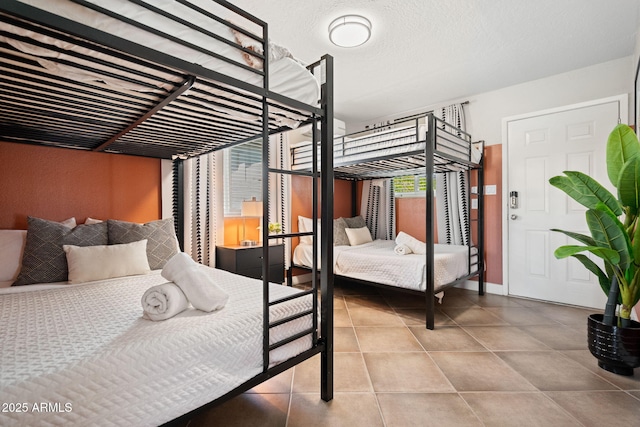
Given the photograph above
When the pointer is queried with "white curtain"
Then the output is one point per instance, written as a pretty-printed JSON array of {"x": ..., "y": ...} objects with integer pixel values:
[
  {"x": 203, "y": 207},
  {"x": 280, "y": 188},
  {"x": 452, "y": 191},
  {"x": 378, "y": 208}
]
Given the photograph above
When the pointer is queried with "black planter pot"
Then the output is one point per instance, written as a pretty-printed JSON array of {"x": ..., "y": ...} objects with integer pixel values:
[{"x": 617, "y": 349}]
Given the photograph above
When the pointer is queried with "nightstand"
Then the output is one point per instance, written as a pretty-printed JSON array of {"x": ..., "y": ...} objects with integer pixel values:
[{"x": 247, "y": 261}]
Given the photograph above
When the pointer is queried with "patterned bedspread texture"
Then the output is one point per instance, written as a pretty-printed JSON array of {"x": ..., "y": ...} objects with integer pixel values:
[
  {"x": 87, "y": 349},
  {"x": 377, "y": 262}
]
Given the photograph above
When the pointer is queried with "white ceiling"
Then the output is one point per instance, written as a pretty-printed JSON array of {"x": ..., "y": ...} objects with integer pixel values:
[{"x": 426, "y": 52}]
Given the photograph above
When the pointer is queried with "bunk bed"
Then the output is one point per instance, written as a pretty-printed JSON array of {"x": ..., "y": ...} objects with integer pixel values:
[
  {"x": 174, "y": 82},
  {"x": 421, "y": 145}
]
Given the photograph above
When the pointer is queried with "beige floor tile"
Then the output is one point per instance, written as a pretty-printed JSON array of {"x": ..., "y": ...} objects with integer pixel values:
[
  {"x": 386, "y": 339},
  {"x": 418, "y": 317},
  {"x": 568, "y": 315},
  {"x": 492, "y": 300},
  {"x": 268, "y": 410},
  {"x": 339, "y": 304},
  {"x": 599, "y": 408},
  {"x": 346, "y": 409},
  {"x": 405, "y": 372},
  {"x": 342, "y": 319},
  {"x": 371, "y": 301},
  {"x": 559, "y": 337},
  {"x": 349, "y": 374},
  {"x": 520, "y": 316},
  {"x": 477, "y": 371},
  {"x": 403, "y": 300},
  {"x": 551, "y": 370},
  {"x": 425, "y": 410},
  {"x": 367, "y": 316},
  {"x": 472, "y": 316},
  {"x": 453, "y": 299},
  {"x": 635, "y": 394},
  {"x": 500, "y": 338},
  {"x": 446, "y": 338},
  {"x": 344, "y": 340},
  {"x": 281, "y": 383},
  {"x": 518, "y": 409},
  {"x": 586, "y": 359}
]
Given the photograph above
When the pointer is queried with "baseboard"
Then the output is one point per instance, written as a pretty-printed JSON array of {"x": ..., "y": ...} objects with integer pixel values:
[{"x": 490, "y": 288}]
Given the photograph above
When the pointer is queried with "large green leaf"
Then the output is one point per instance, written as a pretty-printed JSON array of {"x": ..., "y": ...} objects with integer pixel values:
[
  {"x": 621, "y": 146},
  {"x": 608, "y": 232},
  {"x": 585, "y": 190},
  {"x": 629, "y": 184},
  {"x": 587, "y": 240},
  {"x": 603, "y": 279},
  {"x": 609, "y": 255}
]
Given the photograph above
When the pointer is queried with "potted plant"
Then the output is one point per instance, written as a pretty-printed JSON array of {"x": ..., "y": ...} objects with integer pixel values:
[{"x": 613, "y": 222}]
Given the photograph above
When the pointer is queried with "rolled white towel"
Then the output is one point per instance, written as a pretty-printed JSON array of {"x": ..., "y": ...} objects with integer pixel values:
[
  {"x": 416, "y": 246},
  {"x": 402, "y": 249},
  {"x": 191, "y": 277},
  {"x": 163, "y": 301}
]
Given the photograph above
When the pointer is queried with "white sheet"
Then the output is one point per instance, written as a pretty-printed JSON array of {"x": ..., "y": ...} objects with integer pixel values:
[
  {"x": 87, "y": 346},
  {"x": 377, "y": 262},
  {"x": 286, "y": 76}
]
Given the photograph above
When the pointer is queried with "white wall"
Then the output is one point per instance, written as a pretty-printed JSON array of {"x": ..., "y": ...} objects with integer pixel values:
[{"x": 485, "y": 111}]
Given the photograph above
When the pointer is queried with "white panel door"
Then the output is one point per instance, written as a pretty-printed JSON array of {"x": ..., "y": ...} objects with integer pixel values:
[{"x": 539, "y": 147}]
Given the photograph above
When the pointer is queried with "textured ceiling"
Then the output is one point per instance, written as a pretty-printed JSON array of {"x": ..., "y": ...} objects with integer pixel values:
[{"x": 425, "y": 52}]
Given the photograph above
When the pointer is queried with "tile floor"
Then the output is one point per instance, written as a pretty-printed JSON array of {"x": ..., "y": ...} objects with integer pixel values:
[{"x": 491, "y": 361}]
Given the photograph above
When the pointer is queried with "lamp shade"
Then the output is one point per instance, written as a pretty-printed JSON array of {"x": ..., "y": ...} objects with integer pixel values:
[
  {"x": 350, "y": 31},
  {"x": 251, "y": 208}
]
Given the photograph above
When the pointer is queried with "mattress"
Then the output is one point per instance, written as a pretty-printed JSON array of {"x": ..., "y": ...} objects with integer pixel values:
[
  {"x": 377, "y": 262},
  {"x": 287, "y": 76},
  {"x": 84, "y": 355}
]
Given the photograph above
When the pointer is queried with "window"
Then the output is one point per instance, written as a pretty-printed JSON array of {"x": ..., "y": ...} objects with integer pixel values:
[
  {"x": 410, "y": 186},
  {"x": 242, "y": 175}
]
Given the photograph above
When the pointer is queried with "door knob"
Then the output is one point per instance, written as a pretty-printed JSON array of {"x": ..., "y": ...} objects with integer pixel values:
[{"x": 514, "y": 216}]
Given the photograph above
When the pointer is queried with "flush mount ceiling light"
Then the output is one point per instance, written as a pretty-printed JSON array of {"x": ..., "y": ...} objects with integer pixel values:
[{"x": 350, "y": 31}]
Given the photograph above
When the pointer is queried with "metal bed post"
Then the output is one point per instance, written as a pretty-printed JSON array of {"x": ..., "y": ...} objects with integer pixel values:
[
  {"x": 480, "y": 255},
  {"x": 326, "y": 251},
  {"x": 429, "y": 170},
  {"x": 265, "y": 207}
]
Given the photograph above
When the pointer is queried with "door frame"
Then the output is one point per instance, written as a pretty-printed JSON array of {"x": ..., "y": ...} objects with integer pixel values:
[{"x": 623, "y": 112}]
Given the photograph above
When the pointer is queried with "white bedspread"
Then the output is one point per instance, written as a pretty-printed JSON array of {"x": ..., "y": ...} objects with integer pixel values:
[
  {"x": 86, "y": 349},
  {"x": 377, "y": 262}
]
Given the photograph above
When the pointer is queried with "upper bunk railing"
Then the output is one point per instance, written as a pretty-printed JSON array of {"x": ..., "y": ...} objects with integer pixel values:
[
  {"x": 396, "y": 150},
  {"x": 125, "y": 85}
]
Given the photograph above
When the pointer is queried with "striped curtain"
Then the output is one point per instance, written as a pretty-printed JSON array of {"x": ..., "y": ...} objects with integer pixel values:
[
  {"x": 452, "y": 191},
  {"x": 203, "y": 207},
  {"x": 378, "y": 208}
]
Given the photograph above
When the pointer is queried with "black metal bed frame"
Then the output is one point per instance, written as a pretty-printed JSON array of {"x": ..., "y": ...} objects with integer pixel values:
[
  {"x": 169, "y": 122},
  {"x": 421, "y": 160}
]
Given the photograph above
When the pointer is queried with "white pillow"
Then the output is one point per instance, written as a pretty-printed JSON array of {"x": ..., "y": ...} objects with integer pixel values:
[
  {"x": 11, "y": 249},
  {"x": 358, "y": 236},
  {"x": 87, "y": 263},
  {"x": 91, "y": 221},
  {"x": 305, "y": 225}
]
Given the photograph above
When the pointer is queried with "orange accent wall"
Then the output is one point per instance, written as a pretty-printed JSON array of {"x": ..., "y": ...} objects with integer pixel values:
[
  {"x": 56, "y": 184},
  {"x": 410, "y": 215}
]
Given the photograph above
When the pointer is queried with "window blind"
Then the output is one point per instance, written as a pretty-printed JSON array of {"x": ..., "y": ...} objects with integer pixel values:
[{"x": 242, "y": 176}]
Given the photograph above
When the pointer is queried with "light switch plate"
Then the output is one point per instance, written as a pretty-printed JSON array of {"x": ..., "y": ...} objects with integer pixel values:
[
  {"x": 490, "y": 190},
  {"x": 474, "y": 203}
]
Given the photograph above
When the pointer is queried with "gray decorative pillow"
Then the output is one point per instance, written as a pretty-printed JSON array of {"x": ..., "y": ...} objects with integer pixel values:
[
  {"x": 44, "y": 260},
  {"x": 161, "y": 238},
  {"x": 339, "y": 235},
  {"x": 355, "y": 222}
]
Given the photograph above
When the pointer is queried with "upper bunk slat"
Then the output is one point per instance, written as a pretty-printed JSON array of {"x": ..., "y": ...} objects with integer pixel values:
[
  {"x": 82, "y": 87},
  {"x": 398, "y": 151}
]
